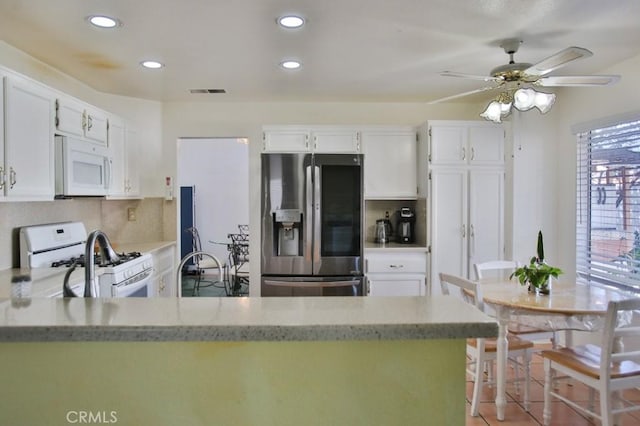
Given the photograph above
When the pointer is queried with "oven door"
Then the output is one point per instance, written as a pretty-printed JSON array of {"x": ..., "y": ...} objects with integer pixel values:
[{"x": 140, "y": 285}]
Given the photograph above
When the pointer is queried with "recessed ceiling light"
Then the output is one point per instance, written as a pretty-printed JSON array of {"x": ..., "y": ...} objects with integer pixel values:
[
  {"x": 290, "y": 65},
  {"x": 151, "y": 64},
  {"x": 291, "y": 21},
  {"x": 104, "y": 21}
]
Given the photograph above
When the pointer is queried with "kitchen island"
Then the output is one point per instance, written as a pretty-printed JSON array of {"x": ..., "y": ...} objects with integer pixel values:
[{"x": 237, "y": 361}]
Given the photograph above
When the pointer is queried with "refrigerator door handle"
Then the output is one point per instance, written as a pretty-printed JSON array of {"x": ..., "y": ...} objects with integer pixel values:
[
  {"x": 317, "y": 210},
  {"x": 308, "y": 216}
]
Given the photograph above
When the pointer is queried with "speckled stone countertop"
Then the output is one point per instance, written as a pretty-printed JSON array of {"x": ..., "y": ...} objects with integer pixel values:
[{"x": 241, "y": 319}]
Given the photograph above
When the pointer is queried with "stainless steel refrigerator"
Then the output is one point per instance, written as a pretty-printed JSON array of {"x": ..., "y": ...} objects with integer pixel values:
[{"x": 312, "y": 225}]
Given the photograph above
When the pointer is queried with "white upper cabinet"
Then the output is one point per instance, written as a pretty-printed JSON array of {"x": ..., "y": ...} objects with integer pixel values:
[
  {"x": 28, "y": 166},
  {"x": 76, "y": 118},
  {"x": 286, "y": 139},
  {"x": 390, "y": 163},
  {"x": 336, "y": 141},
  {"x": 466, "y": 143},
  {"x": 321, "y": 139},
  {"x": 124, "y": 173}
]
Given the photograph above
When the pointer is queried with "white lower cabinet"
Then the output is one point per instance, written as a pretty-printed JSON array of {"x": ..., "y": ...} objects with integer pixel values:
[
  {"x": 164, "y": 277},
  {"x": 396, "y": 274}
]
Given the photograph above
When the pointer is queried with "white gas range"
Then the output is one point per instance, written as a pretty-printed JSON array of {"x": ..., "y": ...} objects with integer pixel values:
[{"x": 63, "y": 245}]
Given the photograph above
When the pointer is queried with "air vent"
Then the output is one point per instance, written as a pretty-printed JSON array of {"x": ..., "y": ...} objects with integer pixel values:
[{"x": 208, "y": 91}]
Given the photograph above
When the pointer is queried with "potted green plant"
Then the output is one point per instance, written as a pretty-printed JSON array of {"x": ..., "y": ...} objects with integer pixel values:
[{"x": 537, "y": 273}]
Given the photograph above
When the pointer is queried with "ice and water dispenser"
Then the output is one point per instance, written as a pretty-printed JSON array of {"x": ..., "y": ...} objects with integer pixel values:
[{"x": 287, "y": 225}]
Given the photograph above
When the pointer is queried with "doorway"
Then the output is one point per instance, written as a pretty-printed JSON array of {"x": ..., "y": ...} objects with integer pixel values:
[{"x": 213, "y": 183}]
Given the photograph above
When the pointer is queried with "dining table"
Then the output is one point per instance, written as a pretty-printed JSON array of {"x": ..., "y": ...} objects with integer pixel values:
[{"x": 569, "y": 306}]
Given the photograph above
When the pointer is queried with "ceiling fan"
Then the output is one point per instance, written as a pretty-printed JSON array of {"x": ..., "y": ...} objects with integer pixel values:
[{"x": 516, "y": 75}]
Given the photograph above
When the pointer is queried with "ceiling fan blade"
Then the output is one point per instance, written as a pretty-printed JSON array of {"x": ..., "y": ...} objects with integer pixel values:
[
  {"x": 578, "y": 80},
  {"x": 459, "y": 95},
  {"x": 470, "y": 76},
  {"x": 558, "y": 60}
]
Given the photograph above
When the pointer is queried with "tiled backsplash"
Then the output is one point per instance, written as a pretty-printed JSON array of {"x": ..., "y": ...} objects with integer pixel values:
[{"x": 155, "y": 220}]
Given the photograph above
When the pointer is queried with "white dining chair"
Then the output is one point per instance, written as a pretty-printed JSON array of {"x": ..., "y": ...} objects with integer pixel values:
[
  {"x": 607, "y": 369},
  {"x": 482, "y": 352},
  {"x": 502, "y": 269}
]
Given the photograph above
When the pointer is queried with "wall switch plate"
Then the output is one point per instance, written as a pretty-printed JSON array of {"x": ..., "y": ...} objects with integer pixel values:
[{"x": 131, "y": 214}]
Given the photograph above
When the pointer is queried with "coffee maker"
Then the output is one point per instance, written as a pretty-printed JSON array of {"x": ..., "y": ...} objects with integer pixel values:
[{"x": 406, "y": 228}]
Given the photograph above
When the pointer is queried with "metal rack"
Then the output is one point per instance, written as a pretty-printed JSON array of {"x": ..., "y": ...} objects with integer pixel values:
[{"x": 237, "y": 271}]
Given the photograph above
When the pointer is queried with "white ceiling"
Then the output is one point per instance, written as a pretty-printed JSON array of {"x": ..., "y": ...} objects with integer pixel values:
[{"x": 351, "y": 50}]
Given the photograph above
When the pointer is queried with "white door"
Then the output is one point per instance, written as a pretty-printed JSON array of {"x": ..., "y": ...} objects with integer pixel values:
[
  {"x": 96, "y": 126},
  {"x": 449, "y": 226},
  {"x": 448, "y": 144},
  {"x": 396, "y": 285},
  {"x": 29, "y": 116},
  {"x": 132, "y": 154},
  {"x": 70, "y": 116},
  {"x": 286, "y": 140},
  {"x": 336, "y": 141},
  {"x": 390, "y": 165},
  {"x": 486, "y": 145},
  {"x": 486, "y": 216},
  {"x": 117, "y": 134}
]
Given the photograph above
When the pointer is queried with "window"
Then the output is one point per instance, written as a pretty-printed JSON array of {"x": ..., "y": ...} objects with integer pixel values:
[{"x": 608, "y": 205}]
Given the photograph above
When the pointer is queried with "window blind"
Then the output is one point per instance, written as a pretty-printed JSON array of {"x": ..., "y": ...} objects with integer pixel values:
[{"x": 608, "y": 205}]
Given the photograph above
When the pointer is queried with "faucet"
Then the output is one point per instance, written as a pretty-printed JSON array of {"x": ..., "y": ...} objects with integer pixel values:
[{"x": 107, "y": 255}]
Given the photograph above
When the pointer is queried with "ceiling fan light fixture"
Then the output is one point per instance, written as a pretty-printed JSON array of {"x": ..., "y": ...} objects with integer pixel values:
[
  {"x": 544, "y": 101},
  {"x": 494, "y": 112},
  {"x": 524, "y": 99}
]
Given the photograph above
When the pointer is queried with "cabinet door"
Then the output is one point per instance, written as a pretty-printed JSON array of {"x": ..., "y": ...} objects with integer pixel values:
[
  {"x": 486, "y": 145},
  {"x": 390, "y": 165},
  {"x": 70, "y": 116},
  {"x": 486, "y": 216},
  {"x": 96, "y": 125},
  {"x": 448, "y": 144},
  {"x": 3, "y": 170},
  {"x": 396, "y": 285},
  {"x": 165, "y": 280},
  {"x": 286, "y": 140},
  {"x": 29, "y": 117},
  {"x": 116, "y": 143},
  {"x": 132, "y": 170},
  {"x": 448, "y": 224},
  {"x": 336, "y": 141}
]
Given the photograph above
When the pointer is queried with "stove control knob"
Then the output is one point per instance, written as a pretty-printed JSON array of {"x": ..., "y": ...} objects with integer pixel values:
[
  {"x": 146, "y": 265},
  {"x": 127, "y": 273}
]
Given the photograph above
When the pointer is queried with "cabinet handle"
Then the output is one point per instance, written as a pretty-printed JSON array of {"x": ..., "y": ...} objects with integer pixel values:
[
  {"x": 464, "y": 153},
  {"x": 90, "y": 123},
  {"x": 1, "y": 178},
  {"x": 473, "y": 153},
  {"x": 464, "y": 231},
  {"x": 367, "y": 287},
  {"x": 396, "y": 266},
  {"x": 12, "y": 177}
]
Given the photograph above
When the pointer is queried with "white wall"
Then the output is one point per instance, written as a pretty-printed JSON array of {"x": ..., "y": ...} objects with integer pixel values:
[{"x": 219, "y": 169}]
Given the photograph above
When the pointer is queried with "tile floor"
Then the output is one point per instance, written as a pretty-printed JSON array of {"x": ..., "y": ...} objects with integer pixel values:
[{"x": 562, "y": 414}]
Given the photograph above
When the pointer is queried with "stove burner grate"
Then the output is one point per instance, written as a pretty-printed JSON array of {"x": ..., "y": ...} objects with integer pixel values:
[{"x": 80, "y": 260}]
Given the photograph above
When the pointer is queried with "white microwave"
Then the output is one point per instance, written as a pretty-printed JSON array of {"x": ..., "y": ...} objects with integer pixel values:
[{"x": 83, "y": 168}]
